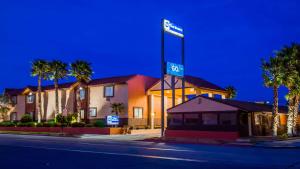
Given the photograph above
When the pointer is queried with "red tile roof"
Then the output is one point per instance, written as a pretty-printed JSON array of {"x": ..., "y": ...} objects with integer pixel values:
[{"x": 199, "y": 82}]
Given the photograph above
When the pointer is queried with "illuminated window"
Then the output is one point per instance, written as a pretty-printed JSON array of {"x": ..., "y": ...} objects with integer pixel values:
[
  {"x": 13, "y": 116},
  {"x": 93, "y": 112},
  {"x": 30, "y": 98},
  {"x": 108, "y": 91},
  {"x": 82, "y": 94},
  {"x": 138, "y": 112},
  {"x": 82, "y": 112}
]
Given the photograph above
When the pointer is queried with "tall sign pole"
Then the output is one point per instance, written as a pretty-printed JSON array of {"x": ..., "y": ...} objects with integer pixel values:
[
  {"x": 162, "y": 79},
  {"x": 168, "y": 68}
]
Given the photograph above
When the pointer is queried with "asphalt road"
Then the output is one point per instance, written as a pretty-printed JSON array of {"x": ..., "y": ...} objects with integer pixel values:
[{"x": 41, "y": 152}]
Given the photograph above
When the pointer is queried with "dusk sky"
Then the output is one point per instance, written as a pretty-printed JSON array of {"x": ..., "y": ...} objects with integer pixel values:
[{"x": 225, "y": 40}]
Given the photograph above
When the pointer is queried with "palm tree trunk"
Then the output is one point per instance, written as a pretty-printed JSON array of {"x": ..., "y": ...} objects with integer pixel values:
[
  {"x": 56, "y": 97},
  {"x": 39, "y": 104},
  {"x": 78, "y": 102},
  {"x": 275, "y": 111},
  {"x": 290, "y": 117},
  {"x": 295, "y": 115}
]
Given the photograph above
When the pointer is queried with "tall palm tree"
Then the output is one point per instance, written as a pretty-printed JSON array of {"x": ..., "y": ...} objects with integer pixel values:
[
  {"x": 231, "y": 92},
  {"x": 291, "y": 81},
  {"x": 82, "y": 71},
  {"x": 58, "y": 70},
  {"x": 39, "y": 68},
  {"x": 273, "y": 77}
]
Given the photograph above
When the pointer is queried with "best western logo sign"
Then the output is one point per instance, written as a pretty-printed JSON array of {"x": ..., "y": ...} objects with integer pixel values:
[
  {"x": 172, "y": 28},
  {"x": 175, "y": 69}
]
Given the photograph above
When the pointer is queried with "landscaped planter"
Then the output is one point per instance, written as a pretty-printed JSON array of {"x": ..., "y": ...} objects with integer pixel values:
[{"x": 68, "y": 130}]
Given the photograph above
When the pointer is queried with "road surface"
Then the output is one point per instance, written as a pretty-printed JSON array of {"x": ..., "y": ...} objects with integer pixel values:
[{"x": 43, "y": 152}]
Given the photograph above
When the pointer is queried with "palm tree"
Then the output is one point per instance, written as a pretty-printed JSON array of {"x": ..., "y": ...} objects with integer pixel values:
[
  {"x": 273, "y": 77},
  {"x": 117, "y": 108},
  {"x": 58, "y": 70},
  {"x": 39, "y": 68},
  {"x": 231, "y": 92},
  {"x": 291, "y": 81},
  {"x": 4, "y": 107},
  {"x": 82, "y": 71}
]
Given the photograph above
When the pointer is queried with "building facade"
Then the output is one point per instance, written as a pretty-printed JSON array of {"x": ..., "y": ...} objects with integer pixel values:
[{"x": 139, "y": 94}]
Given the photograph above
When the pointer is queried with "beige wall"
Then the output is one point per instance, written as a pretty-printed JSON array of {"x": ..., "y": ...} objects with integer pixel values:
[{"x": 103, "y": 106}]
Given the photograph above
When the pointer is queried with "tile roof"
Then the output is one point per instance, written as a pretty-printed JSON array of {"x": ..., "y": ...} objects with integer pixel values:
[
  {"x": 251, "y": 106},
  {"x": 116, "y": 80},
  {"x": 199, "y": 82}
]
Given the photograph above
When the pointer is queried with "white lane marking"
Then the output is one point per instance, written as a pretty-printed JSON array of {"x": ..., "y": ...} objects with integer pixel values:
[
  {"x": 141, "y": 147},
  {"x": 113, "y": 145},
  {"x": 119, "y": 154}
]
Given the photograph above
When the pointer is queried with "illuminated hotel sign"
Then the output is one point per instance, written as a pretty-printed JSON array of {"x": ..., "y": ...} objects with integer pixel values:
[
  {"x": 112, "y": 120},
  {"x": 172, "y": 28},
  {"x": 174, "y": 69}
]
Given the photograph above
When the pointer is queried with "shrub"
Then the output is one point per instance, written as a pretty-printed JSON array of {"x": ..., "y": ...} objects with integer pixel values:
[
  {"x": 26, "y": 118},
  {"x": 60, "y": 118},
  {"x": 49, "y": 124},
  {"x": 39, "y": 124},
  {"x": 7, "y": 124},
  {"x": 27, "y": 124},
  {"x": 78, "y": 124},
  {"x": 99, "y": 123},
  {"x": 71, "y": 118},
  {"x": 283, "y": 136}
]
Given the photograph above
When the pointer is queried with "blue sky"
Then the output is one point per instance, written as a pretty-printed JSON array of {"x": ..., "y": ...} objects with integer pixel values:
[{"x": 225, "y": 40}]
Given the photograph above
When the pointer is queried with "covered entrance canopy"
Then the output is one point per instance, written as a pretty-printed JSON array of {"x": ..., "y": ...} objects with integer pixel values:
[{"x": 194, "y": 86}]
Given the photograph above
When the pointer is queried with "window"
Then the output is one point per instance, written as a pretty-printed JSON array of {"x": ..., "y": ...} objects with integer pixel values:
[
  {"x": 82, "y": 112},
  {"x": 30, "y": 98},
  {"x": 138, "y": 112},
  {"x": 191, "y": 119},
  {"x": 14, "y": 100},
  {"x": 93, "y": 112},
  {"x": 210, "y": 118},
  {"x": 228, "y": 119},
  {"x": 82, "y": 94},
  {"x": 13, "y": 116},
  {"x": 108, "y": 91},
  {"x": 175, "y": 119}
]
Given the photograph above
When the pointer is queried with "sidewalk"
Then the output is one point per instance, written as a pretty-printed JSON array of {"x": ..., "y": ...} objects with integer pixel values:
[{"x": 290, "y": 143}]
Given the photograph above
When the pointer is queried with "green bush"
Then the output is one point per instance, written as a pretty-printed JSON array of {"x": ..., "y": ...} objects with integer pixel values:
[
  {"x": 40, "y": 125},
  {"x": 26, "y": 118},
  {"x": 27, "y": 124},
  {"x": 283, "y": 136},
  {"x": 49, "y": 124},
  {"x": 99, "y": 123},
  {"x": 71, "y": 118},
  {"x": 78, "y": 124},
  {"x": 7, "y": 124},
  {"x": 60, "y": 118}
]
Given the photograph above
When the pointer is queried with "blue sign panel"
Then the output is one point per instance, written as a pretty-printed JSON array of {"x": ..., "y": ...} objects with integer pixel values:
[
  {"x": 172, "y": 28},
  {"x": 112, "y": 120},
  {"x": 175, "y": 69}
]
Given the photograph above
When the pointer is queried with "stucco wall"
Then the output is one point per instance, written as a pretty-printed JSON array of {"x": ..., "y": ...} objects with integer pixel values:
[
  {"x": 103, "y": 105},
  {"x": 137, "y": 97}
]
